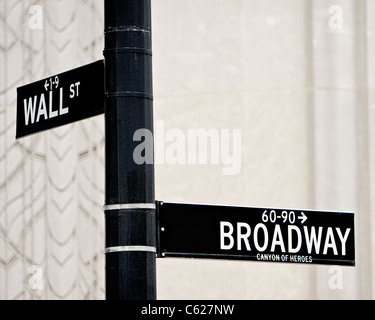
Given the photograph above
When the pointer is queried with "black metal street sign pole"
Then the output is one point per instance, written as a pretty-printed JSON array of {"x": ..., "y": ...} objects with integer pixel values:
[{"x": 130, "y": 197}]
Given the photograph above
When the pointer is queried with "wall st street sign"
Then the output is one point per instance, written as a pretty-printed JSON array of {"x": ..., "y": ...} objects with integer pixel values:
[
  {"x": 61, "y": 99},
  {"x": 256, "y": 234}
]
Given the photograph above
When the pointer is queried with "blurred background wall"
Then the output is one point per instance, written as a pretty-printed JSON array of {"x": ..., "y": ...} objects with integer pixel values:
[{"x": 295, "y": 76}]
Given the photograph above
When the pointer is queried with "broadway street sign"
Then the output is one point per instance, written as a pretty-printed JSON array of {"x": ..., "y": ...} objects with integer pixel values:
[
  {"x": 256, "y": 234},
  {"x": 61, "y": 99}
]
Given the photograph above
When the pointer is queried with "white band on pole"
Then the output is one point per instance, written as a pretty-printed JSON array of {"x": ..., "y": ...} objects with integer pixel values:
[
  {"x": 130, "y": 206},
  {"x": 130, "y": 249}
]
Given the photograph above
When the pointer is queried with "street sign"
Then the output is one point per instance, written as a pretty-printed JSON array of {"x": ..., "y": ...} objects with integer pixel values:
[
  {"x": 256, "y": 234},
  {"x": 61, "y": 99}
]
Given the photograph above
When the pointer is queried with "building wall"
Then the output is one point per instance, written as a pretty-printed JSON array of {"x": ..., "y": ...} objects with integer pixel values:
[
  {"x": 51, "y": 189},
  {"x": 293, "y": 76}
]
